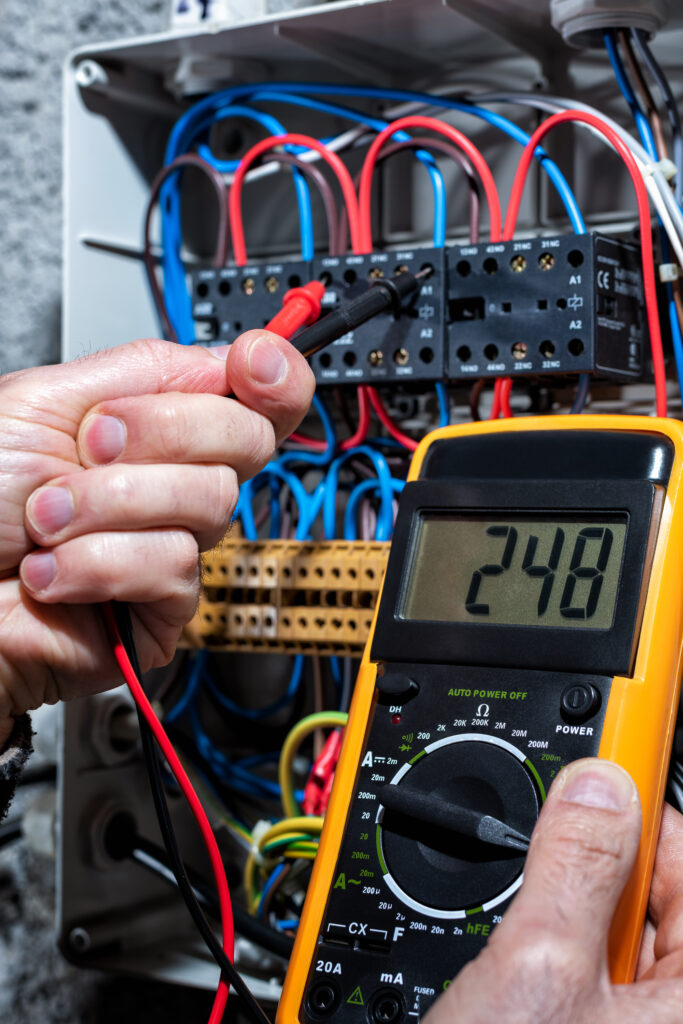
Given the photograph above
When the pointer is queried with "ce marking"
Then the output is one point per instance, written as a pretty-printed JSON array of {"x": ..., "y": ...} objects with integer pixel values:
[{"x": 603, "y": 279}]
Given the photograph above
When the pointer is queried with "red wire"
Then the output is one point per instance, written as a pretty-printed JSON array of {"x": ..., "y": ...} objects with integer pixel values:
[
  {"x": 385, "y": 419},
  {"x": 649, "y": 283},
  {"x": 496, "y": 408},
  {"x": 501, "y": 399},
  {"x": 235, "y": 199},
  {"x": 456, "y": 137},
  {"x": 311, "y": 442},
  {"x": 505, "y": 389},
  {"x": 140, "y": 698},
  {"x": 363, "y": 420}
]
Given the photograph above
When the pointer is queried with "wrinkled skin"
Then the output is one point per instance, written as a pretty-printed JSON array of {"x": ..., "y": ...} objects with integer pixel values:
[
  {"x": 547, "y": 961},
  {"x": 139, "y": 448}
]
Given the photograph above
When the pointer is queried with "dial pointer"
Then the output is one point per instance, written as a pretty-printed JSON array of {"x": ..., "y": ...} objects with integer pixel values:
[{"x": 434, "y": 810}]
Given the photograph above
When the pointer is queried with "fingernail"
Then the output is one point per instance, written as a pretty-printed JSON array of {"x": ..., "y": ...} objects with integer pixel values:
[
  {"x": 38, "y": 571},
  {"x": 600, "y": 784},
  {"x": 266, "y": 362},
  {"x": 50, "y": 509},
  {"x": 103, "y": 438}
]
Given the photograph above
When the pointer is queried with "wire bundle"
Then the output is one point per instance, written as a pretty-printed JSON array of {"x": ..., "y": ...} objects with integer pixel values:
[{"x": 324, "y": 484}]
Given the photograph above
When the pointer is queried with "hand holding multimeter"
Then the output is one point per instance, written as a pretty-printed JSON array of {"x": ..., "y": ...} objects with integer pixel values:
[
  {"x": 530, "y": 616},
  {"x": 548, "y": 963}
]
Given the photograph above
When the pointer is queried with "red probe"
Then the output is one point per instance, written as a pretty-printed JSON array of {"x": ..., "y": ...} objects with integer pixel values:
[{"x": 300, "y": 307}]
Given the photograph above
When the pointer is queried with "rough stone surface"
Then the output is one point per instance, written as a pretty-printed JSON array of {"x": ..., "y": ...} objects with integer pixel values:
[{"x": 36, "y": 38}]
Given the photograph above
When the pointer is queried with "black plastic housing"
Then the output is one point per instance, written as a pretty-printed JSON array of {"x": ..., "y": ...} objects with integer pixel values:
[
  {"x": 385, "y": 349},
  {"x": 564, "y": 305},
  {"x": 571, "y": 304}
]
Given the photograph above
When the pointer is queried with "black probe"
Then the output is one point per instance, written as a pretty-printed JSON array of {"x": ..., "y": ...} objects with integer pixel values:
[{"x": 384, "y": 293}]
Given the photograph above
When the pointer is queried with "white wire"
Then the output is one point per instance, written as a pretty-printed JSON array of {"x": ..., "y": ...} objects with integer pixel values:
[
  {"x": 655, "y": 182},
  {"x": 660, "y": 193},
  {"x": 309, "y": 156}
]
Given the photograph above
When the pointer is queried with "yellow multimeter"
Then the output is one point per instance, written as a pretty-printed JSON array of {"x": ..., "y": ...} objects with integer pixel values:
[{"x": 531, "y": 614}]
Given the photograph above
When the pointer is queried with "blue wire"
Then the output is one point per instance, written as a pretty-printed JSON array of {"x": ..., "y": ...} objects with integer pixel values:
[
  {"x": 385, "y": 518},
  {"x": 178, "y": 301},
  {"x": 350, "y": 532},
  {"x": 442, "y": 398},
  {"x": 272, "y": 879},
  {"x": 316, "y": 458},
  {"x": 255, "y": 714},
  {"x": 191, "y": 690},
  {"x": 185, "y": 128},
  {"x": 424, "y": 156},
  {"x": 336, "y": 670},
  {"x": 409, "y": 96},
  {"x": 244, "y": 508},
  {"x": 642, "y": 123},
  {"x": 287, "y": 926},
  {"x": 275, "y": 127},
  {"x": 227, "y": 96},
  {"x": 650, "y": 146}
]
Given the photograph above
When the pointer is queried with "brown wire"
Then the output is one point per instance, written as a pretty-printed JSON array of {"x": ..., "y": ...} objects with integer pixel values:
[
  {"x": 646, "y": 95},
  {"x": 318, "y": 706},
  {"x": 222, "y": 238},
  {"x": 319, "y": 179},
  {"x": 441, "y": 146},
  {"x": 475, "y": 396}
]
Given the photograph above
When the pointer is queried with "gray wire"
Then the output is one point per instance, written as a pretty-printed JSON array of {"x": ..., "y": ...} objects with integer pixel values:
[{"x": 655, "y": 182}]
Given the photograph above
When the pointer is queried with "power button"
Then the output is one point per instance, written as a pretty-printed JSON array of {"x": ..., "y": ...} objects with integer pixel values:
[{"x": 580, "y": 701}]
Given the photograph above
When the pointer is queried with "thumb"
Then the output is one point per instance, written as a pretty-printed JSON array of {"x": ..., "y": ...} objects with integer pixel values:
[{"x": 582, "y": 851}]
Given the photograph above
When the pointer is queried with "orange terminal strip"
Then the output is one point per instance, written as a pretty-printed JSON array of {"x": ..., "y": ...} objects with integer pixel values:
[{"x": 288, "y": 596}]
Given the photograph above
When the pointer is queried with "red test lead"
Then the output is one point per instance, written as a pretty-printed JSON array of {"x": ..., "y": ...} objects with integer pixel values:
[{"x": 300, "y": 307}]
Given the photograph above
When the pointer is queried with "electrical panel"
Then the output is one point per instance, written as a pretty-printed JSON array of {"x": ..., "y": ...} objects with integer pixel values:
[
  {"x": 289, "y": 603},
  {"x": 560, "y": 305}
]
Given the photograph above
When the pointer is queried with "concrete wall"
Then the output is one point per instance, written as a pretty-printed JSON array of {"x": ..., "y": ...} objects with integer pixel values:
[{"x": 35, "y": 39}]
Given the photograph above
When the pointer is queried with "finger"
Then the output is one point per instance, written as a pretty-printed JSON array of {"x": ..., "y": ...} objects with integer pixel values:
[
  {"x": 53, "y": 652},
  {"x": 669, "y": 937},
  {"x": 581, "y": 854},
  {"x": 667, "y": 878},
  {"x": 145, "y": 566},
  {"x": 59, "y": 396},
  {"x": 181, "y": 427},
  {"x": 269, "y": 375},
  {"x": 123, "y": 497},
  {"x": 177, "y": 428}
]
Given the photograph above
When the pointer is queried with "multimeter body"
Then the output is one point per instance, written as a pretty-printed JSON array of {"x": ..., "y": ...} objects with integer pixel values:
[{"x": 531, "y": 614}]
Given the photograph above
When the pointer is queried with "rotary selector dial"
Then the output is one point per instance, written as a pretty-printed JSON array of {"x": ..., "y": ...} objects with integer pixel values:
[{"x": 456, "y": 841}]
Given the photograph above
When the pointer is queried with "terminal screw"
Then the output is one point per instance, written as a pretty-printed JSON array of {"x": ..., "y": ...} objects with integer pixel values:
[
  {"x": 375, "y": 273},
  {"x": 376, "y": 357},
  {"x": 401, "y": 356},
  {"x": 546, "y": 260},
  {"x": 518, "y": 263},
  {"x": 248, "y": 285},
  {"x": 519, "y": 350},
  {"x": 271, "y": 284}
]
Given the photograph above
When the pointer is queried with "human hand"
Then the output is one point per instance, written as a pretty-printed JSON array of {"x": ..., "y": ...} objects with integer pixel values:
[
  {"x": 547, "y": 961},
  {"x": 116, "y": 470}
]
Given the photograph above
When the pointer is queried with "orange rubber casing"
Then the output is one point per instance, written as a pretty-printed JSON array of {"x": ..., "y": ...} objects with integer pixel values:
[{"x": 639, "y": 721}]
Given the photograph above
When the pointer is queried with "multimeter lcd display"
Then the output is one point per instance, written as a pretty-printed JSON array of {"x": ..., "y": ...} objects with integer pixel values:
[{"x": 555, "y": 570}]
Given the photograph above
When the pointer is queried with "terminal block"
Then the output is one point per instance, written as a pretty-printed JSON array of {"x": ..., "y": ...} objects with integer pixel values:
[
  {"x": 230, "y": 300},
  {"x": 386, "y": 349},
  {"x": 288, "y": 596},
  {"x": 571, "y": 304}
]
